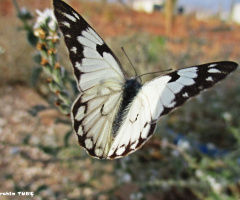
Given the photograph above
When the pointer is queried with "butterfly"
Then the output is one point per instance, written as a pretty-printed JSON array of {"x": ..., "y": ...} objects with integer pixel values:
[{"x": 113, "y": 115}]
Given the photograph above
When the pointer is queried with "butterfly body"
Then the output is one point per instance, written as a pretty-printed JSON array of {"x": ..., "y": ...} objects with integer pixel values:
[
  {"x": 130, "y": 90},
  {"x": 114, "y": 116}
]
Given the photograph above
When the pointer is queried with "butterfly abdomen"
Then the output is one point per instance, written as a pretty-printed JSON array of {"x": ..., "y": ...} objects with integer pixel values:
[{"x": 130, "y": 90}]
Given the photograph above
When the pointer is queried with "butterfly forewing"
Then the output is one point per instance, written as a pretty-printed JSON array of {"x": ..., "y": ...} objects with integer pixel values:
[
  {"x": 161, "y": 95},
  {"x": 114, "y": 116},
  {"x": 93, "y": 61}
]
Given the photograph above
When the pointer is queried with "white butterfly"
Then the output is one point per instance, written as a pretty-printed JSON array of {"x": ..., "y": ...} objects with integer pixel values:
[{"x": 114, "y": 116}]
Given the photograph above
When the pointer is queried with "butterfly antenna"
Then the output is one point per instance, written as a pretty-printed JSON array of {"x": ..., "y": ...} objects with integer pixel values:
[
  {"x": 167, "y": 70},
  {"x": 129, "y": 61}
]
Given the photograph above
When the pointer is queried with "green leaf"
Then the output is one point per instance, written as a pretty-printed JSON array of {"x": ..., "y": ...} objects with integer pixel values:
[
  {"x": 26, "y": 139},
  {"x": 36, "y": 72},
  {"x": 36, "y": 109},
  {"x": 37, "y": 58},
  {"x": 32, "y": 39},
  {"x": 24, "y": 15},
  {"x": 67, "y": 136},
  {"x": 74, "y": 86},
  {"x": 49, "y": 150},
  {"x": 41, "y": 188}
]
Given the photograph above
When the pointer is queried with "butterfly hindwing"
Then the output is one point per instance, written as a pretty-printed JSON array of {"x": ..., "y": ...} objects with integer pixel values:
[
  {"x": 135, "y": 130},
  {"x": 160, "y": 96},
  {"x": 92, "y": 120}
]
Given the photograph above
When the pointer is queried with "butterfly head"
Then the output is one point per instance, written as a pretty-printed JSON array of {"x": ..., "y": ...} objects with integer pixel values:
[{"x": 132, "y": 86}]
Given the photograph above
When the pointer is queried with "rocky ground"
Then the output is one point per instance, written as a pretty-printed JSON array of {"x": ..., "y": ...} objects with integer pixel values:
[{"x": 25, "y": 166}]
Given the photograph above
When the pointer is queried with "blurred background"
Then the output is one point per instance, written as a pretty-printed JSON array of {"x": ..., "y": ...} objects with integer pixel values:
[{"x": 195, "y": 151}]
